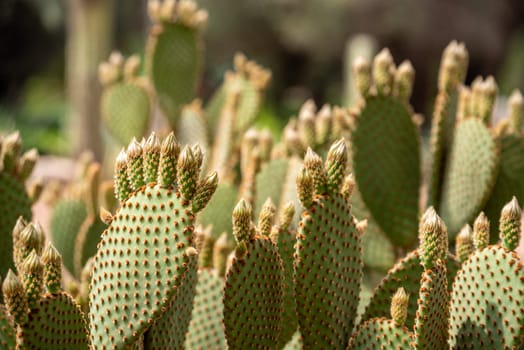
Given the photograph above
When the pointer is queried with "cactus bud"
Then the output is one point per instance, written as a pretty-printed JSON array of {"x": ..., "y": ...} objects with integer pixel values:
[
  {"x": 314, "y": 166},
  {"x": 135, "y": 165},
  {"x": 404, "y": 78},
  {"x": 27, "y": 163},
  {"x": 242, "y": 229},
  {"x": 336, "y": 164},
  {"x": 29, "y": 239},
  {"x": 481, "y": 232},
  {"x": 399, "y": 307},
  {"x": 265, "y": 144},
  {"x": 266, "y": 217},
  {"x": 305, "y": 189},
  {"x": 205, "y": 258},
  {"x": 19, "y": 227},
  {"x": 52, "y": 261},
  {"x": 187, "y": 173},
  {"x": 32, "y": 272},
  {"x": 306, "y": 123},
  {"x": 383, "y": 70},
  {"x": 510, "y": 224},
  {"x": 169, "y": 153},
  {"x": 221, "y": 251},
  {"x": 11, "y": 146},
  {"x": 464, "y": 103},
  {"x": 151, "y": 158},
  {"x": 362, "y": 74},
  {"x": 433, "y": 239},
  {"x": 323, "y": 124},
  {"x": 287, "y": 214},
  {"x": 131, "y": 67},
  {"x": 348, "y": 186},
  {"x": 15, "y": 298},
  {"x": 464, "y": 246},
  {"x": 516, "y": 111},
  {"x": 122, "y": 185},
  {"x": 199, "y": 156},
  {"x": 205, "y": 191}
]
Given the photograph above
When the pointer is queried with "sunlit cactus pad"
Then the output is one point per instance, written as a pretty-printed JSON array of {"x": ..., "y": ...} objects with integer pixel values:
[
  {"x": 57, "y": 323},
  {"x": 206, "y": 329},
  {"x": 407, "y": 274},
  {"x": 169, "y": 332},
  {"x": 380, "y": 333},
  {"x": 386, "y": 163},
  {"x": 487, "y": 308},
  {"x": 470, "y": 175},
  {"x": 253, "y": 297}
]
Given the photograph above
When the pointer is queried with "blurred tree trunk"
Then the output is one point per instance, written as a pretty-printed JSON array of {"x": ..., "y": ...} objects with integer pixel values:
[{"x": 89, "y": 40}]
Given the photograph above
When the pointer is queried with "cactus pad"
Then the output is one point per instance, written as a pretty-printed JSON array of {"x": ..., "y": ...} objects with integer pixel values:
[
  {"x": 219, "y": 208},
  {"x": 126, "y": 109},
  {"x": 86, "y": 243},
  {"x": 470, "y": 175},
  {"x": 380, "y": 333},
  {"x": 386, "y": 163},
  {"x": 486, "y": 308},
  {"x": 254, "y": 286},
  {"x": 206, "y": 330},
  {"x": 7, "y": 332},
  {"x": 169, "y": 332},
  {"x": 509, "y": 183},
  {"x": 57, "y": 323},
  {"x": 406, "y": 273}
]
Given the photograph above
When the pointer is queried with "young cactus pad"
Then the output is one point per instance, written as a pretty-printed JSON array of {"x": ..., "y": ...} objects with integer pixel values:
[
  {"x": 145, "y": 252},
  {"x": 328, "y": 262}
]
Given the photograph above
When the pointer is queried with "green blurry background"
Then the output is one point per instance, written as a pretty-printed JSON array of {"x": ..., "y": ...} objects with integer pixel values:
[{"x": 49, "y": 51}]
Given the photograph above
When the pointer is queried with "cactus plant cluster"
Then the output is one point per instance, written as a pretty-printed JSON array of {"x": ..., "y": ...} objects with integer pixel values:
[{"x": 214, "y": 235}]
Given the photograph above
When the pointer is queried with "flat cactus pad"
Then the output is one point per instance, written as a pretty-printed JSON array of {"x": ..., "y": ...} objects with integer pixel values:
[{"x": 380, "y": 333}]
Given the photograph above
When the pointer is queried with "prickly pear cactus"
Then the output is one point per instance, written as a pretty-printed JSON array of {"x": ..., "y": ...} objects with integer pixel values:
[
  {"x": 472, "y": 166},
  {"x": 452, "y": 72},
  {"x": 386, "y": 147},
  {"x": 328, "y": 263},
  {"x": 125, "y": 104},
  {"x": 7, "y": 331},
  {"x": 174, "y": 55},
  {"x": 486, "y": 308},
  {"x": 383, "y": 333},
  {"x": 146, "y": 252},
  {"x": 254, "y": 285},
  {"x": 15, "y": 168},
  {"x": 218, "y": 211}
]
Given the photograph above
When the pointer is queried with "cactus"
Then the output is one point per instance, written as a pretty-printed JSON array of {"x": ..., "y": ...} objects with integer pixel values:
[
  {"x": 385, "y": 137},
  {"x": 255, "y": 262},
  {"x": 328, "y": 259},
  {"x": 486, "y": 308},
  {"x": 125, "y": 104},
  {"x": 15, "y": 168},
  {"x": 174, "y": 50},
  {"x": 145, "y": 255}
]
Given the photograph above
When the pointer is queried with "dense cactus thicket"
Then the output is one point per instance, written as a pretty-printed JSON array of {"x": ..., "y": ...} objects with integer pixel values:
[{"x": 214, "y": 235}]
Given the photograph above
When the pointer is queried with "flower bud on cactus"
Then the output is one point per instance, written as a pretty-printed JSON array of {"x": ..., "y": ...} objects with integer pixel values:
[
  {"x": 336, "y": 163},
  {"x": 169, "y": 153},
  {"x": 305, "y": 189},
  {"x": 481, "y": 231},
  {"x": 314, "y": 166},
  {"x": 362, "y": 73},
  {"x": 27, "y": 163},
  {"x": 399, "y": 307},
  {"x": 11, "y": 147},
  {"x": 151, "y": 158},
  {"x": 348, "y": 186},
  {"x": 242, "y": 228},
  {"x": 221, "y": 251},
  {"x": 52, "y": 261},
  {"x": 30, "y": 239},
  {"x": 187, "y": 173},
  {"x": 15, "y": 298},
  {"x": 32, "y": 272},
  {"x": 205, "y": 190},
  {"x": 516, "y": 111},
  {"x": 510, "y": 224},
  {"x": 122, "y": 185},
  {"x": 286, "y": 217},
  {"x": 266, "y": 217},
  {"x": 383, "y": 70},
  {"x": 404, "y": 78},
  {"x": 134, "y": 165},
  {"x": 433, "y": 239},
  {"x": 464, "y": 246}
]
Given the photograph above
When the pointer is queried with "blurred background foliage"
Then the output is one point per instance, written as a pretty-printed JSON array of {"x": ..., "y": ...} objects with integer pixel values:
[{"x": 302, "y": 41}]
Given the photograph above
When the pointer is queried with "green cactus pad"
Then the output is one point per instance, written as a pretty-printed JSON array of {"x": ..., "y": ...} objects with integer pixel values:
[
  {"x": 214, "y": 107},
  {"x": 87, "y": 241},
  {"x": 7, "y": 332},
  {"x": 57, "y": 323},
  {"x": 406, "y": 273},
  {"x": 380, "y": 333},
  {"x": 277, "y": 180},
  {"x": 15, "y": 203},
  {"x": 126, "y": 110},
  {"x": 470, "y": 174},
  {"x": 286, "y": 241},
  {"x": 486, "y": 310},
  {"x": 206, "y": 329},
  {"x": 192, "y": 127},
  {"x": 174, "y": 66},
  {"x": 376, "y": 247},
  {"x": 140, "y": 262},
  {"x": 254, "y": 286},
  {"x": 328, "y": 272},
  {"x": 66, "y": 221},
  {"x": 169, "y": 332},
  {"x": 509, "y": 181},
  {"x": 431, "y": 324},
  {"x": 218, "y": 210},
  {"x": 249, "y": 101},
  {"x": 386, "y": 162}
]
